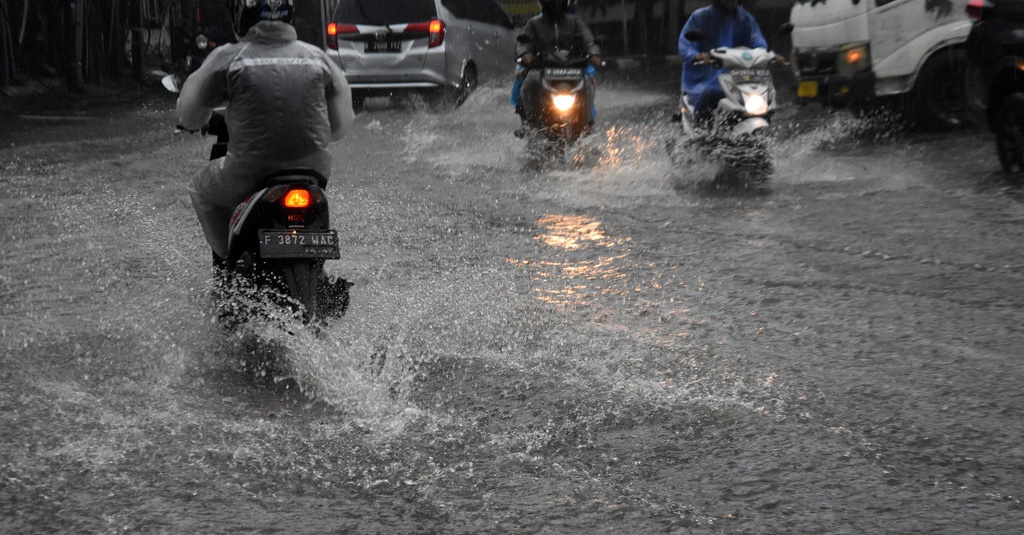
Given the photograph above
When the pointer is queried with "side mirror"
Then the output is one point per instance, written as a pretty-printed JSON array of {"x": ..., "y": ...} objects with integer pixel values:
[
  {"x": 694, "y": 35},
  {"x": 171, "y": 83}
]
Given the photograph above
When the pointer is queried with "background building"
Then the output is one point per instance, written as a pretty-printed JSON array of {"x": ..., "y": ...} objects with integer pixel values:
[{"x": 103, "y": 41}]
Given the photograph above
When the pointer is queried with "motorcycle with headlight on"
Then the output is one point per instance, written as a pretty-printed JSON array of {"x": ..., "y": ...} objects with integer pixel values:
[
  {"x": 196, "y": 28},
  {"x": 560, "y": 114},
  {"x": 736, "y": 133}
]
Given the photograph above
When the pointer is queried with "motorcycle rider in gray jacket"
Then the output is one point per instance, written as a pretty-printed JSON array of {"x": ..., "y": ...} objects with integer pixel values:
[{"x": 286, "y": 101}]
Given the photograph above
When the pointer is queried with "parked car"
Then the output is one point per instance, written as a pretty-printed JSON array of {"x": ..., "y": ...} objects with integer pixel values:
[
  {"x": 994, "y": 82},
  {"x": 442, "y": 48}
]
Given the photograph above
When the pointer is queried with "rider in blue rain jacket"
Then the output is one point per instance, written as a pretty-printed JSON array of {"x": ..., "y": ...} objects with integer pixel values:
[{"x": 724, "y": 23}]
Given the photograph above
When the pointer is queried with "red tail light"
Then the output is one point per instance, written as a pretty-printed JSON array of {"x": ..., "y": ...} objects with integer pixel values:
[
  {"x": 978, "y": 9},
  {"x": 434, "y": 30},
  {"x": 333, "y": 29},
  {"x": 297, "y": 198}
]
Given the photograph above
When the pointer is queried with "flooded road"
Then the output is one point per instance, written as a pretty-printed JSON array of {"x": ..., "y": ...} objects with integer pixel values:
[{"x": 609, "y": 347}]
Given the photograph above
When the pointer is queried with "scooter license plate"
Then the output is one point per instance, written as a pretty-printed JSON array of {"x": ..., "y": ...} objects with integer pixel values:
[
  {"x": 807, "y": 89},
  {"x": 563, "y": 73},
  {"x": 299, "y": 244},
  {"x": 751, "y": 75}
]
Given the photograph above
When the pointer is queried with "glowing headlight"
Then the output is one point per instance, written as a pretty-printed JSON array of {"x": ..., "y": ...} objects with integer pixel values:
[
  {"x": 755, "y": 104},
  {"x": 564, "y": 102},
  {"x": 202, "y": 42},
  {"x": 853, "y": 58}
]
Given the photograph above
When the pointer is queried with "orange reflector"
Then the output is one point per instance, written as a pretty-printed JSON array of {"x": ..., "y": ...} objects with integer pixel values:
[
  {"x": 853, "y": 56},
  {"x": 297, "y": 198}
]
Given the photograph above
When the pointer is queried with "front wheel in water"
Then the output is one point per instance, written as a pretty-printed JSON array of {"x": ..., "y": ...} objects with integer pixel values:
[{"x": 1010, "y": 133}]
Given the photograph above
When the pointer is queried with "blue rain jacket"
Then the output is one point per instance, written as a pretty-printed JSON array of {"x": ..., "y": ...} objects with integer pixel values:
[{"x": 720, "y": 29}]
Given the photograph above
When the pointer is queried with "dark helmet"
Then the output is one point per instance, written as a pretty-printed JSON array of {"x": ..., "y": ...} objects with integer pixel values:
[
  {"x": 245, "y": 13},
  {"x": 553, "y": 9},
  {"x": 729, "y": 6}
]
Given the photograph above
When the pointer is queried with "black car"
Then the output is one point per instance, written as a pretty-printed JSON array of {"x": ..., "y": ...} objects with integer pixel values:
[{"x": 994, "y": 80}]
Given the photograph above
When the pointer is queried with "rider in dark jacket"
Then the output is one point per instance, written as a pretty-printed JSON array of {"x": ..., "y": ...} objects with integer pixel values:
[{"x": 555, "y": 28}]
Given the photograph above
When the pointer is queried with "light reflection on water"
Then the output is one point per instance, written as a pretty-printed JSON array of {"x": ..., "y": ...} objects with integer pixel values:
[
  {"x": 577, "y": 280},
  {"x": 587, "y": 267}
]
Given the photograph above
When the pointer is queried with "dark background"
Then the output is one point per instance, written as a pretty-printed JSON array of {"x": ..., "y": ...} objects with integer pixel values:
[{"x": 109, "y": 42}]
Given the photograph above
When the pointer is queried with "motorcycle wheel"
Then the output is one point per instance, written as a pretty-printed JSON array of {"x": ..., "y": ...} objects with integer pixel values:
[{"x": 1010, "y": 134}]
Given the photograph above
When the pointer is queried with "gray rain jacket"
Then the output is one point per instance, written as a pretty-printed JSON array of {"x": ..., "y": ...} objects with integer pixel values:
[
  {"x": 286, "y": 101},
  {"x": 543, "y": 36}
]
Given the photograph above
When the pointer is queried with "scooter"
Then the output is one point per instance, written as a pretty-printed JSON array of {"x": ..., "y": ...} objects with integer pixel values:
[
  {"x": 736, "y": 132},
  {"x": 280, "y": 237},
  {"x": 561, "y": 114}
]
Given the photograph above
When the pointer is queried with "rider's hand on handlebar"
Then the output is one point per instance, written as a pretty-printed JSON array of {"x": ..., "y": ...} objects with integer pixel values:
[
  {"x": 526, "y": 58},
  {"x": 702, "y": 57}
]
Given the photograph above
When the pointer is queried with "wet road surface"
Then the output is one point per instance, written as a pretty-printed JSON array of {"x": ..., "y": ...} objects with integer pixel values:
[{"x": 607, "y": 347}]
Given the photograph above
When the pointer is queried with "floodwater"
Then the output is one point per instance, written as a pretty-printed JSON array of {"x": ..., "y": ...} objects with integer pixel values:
[{"x": 608, "y": 346}]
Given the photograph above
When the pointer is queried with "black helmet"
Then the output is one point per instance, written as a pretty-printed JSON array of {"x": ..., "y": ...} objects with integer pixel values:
[
  {"x": 553, "y": 9},
  {"x": 245, "y": 13},
  {"x": 729, "y": 6}
]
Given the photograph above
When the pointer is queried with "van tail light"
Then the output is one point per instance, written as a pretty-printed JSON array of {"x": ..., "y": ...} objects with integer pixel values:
[
  {"x": 436, "y": 33},
  {"x": 334, "y": 29},
  {"x": 434, "y": 30},
  {"x": 978, "y": 9}
]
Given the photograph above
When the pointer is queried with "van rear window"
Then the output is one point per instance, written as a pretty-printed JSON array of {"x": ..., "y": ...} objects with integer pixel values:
[{"x": 379, "y": 13}]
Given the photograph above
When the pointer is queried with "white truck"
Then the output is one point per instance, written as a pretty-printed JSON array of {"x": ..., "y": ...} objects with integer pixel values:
[{"x": 866, "y": 53}]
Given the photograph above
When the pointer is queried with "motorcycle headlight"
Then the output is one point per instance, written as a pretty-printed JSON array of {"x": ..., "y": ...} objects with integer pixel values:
[
  {"x": 564, "y": 102},
  {"x": 202, "y": 42},
  {"x": 755, "y": 103}
]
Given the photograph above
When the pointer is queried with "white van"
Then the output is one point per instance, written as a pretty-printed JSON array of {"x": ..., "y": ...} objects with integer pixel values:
[
  {"x": 441, "y": 47},
  {"x": 861, "y": 53}
]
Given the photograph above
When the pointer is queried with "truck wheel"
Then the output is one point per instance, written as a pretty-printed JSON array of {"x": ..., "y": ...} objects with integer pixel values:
[
  {"x": 1010, "y": 133},
  {"x": 937, "y": 101}
]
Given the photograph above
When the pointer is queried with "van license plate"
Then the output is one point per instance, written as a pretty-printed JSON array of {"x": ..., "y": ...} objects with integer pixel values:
[
  {"x": 387, "y": 45},
  {"x": 299, "y": 244},
  {"x": 807, "y": 89}
]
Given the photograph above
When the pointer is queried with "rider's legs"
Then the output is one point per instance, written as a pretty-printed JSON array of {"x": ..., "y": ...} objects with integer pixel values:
[
  {"x": 530, "y": 95},
  {"x": 517, "y": 86},
  {"x": 704, "y": 104}
]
